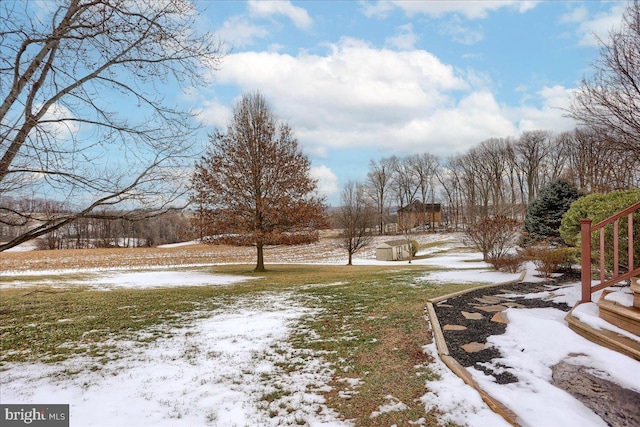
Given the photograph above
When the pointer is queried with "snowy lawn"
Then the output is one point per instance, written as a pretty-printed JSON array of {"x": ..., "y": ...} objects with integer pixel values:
[
  {"x": 301, "y": 345},
  {"x": 225, "y": 369}
]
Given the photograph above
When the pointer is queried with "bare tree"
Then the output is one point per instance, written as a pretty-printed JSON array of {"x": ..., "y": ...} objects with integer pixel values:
[
  {"x": 494, "y": 236},
  {"x": 378, "y": 181},
  {"x": 597, "y": 164},
  {"x": 450, "y": 183},
  {"x": 610, "y": 99},
  {"x": 460, "y": 180},
  {"x": 493, "y": 160},
  {"x": 425, "y": 166},
  {"x": 404, "y": 182},
  {"x": 555, "y": 164},
  {"x": 473, "y": 184},
  {"x": 83, "y": 114},
  {"x": 356, "y": 218},
  {"x": 530, "y": 150},
  {"x": 253, "y": 186}
]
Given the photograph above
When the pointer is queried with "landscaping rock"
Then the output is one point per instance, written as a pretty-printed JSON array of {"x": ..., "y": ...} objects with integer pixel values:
[{"x": 617, "y": 406}]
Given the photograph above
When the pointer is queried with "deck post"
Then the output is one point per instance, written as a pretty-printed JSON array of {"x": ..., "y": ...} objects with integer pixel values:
[{"x": 585, "y": 255}]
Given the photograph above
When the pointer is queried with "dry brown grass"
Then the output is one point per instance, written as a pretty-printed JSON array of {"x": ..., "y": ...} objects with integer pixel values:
[
  {"x": 326, "y": 250},
  {"x": 120, "y": 257}
]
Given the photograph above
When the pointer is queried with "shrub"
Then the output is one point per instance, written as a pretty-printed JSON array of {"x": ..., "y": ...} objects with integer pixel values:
[
  {"x": 414, "y": 247},
  {"x": 549, "y": 259},
  {"x": 494, "y": 237},
  {"x": 599, "y": 207},
  {"x": 508, "y": 263},
  {"x": 544, "y": 215}
]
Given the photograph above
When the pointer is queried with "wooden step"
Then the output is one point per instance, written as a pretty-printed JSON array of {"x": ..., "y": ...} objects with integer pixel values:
[
  {"x": 635, "y": 287},
  {"x": 604, "y": 338},
  {"x": 627, "y": 318}
]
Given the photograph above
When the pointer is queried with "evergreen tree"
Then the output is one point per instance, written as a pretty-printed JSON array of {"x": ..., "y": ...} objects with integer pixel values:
[{"x": 544, "y": 214}]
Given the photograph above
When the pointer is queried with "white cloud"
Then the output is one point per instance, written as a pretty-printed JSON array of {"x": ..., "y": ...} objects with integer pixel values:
[
  {"x": 59, "y": 122},
  {"x": 525, "y": 6},
  {"x": 590, "y": 29},
  {"x": 405, "y": 39},
  {"x": 378, "y": 9},
  {"x": 438, "y": 8},
  {"x": 357, "y": 96},
  {"x": 461, "y": 33},
  {"x": 212, "y": 113},
  {"x": 554, "y": 102},
  {"x": 266, "y": 8},
  {"x": 237, "y": 31},
  {"x": 579, "y": 14},
  {"x": 327, "y": 180},
  {"x": 354, "y": 88}
]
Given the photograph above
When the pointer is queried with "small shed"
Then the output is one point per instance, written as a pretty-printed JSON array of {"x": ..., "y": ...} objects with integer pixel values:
[{"x": 394, "y": 250}]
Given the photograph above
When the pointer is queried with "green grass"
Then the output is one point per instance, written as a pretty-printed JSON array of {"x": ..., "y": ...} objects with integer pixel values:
[
  {"x": 374, "y": 330},
  {"x": 370, "y": 326}
]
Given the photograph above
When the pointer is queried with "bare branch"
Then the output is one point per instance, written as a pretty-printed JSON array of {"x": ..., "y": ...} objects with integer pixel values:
[{"x": 63, "y": 79}]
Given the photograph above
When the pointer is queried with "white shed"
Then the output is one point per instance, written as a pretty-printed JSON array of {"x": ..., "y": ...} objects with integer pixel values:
[{"x": 394, "y": 250}]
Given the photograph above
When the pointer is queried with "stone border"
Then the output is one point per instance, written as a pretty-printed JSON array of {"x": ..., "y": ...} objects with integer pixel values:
[{"x": 454, "y": 365}]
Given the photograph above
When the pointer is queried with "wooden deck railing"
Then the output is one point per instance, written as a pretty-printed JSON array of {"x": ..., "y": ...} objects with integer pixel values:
[{"x": 585, "y": 230}]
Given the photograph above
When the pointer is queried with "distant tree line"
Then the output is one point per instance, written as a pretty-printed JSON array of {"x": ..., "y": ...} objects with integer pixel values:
[
  {"x": 107, "y": 229},
  {"x": 500, "y": 176}
]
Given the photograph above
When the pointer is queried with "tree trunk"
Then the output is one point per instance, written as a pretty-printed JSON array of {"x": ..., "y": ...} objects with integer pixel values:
[
  {"x": 350, "y": 258},
  {"x": 260, "y": 262}
]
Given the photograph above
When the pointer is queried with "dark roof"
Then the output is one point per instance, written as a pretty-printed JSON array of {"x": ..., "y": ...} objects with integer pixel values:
[{"x": 418, "y": 206}]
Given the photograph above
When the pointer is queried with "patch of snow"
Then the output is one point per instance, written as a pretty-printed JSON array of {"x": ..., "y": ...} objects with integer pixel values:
[
  {"x": 589, "y": 314},
  {"x": 394, "y": 405},
  {"x": 532, "y": 275},
  {"x": 132, "y": 280},
  {"x": 458, "y": 402},
  {"x": 530, "y": 351},
  {"x": 179, "y": 245},
  {"x": 214, "y": 371},
  {"x": 71, "y": 271},
  {"x": 162, "y": 279},
  {"x": 469, "y": 276},
  {"x": 568, "y": 294},
  {"x": 623, "y": 296},
  {"x": 461, "y": 261},
  {"x": 31, "y": 245}
]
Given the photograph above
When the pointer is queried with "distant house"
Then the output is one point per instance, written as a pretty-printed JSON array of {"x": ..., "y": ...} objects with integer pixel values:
[
  {"x": 419, "y": 214},
  {"x": 394, "y": 250}
]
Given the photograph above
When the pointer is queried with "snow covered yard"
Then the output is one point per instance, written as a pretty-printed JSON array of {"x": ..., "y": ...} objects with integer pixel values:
[
  {"x": 255, "y": 357},
  {"x": 225, "y": 367},
  {"x": 332, "y": 347}
]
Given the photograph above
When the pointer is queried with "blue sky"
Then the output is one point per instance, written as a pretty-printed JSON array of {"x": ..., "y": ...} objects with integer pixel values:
[{"x": 362, "y": 80}]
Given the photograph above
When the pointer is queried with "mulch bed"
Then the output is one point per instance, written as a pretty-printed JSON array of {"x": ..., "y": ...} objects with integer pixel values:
[{"x": 449, "y": 312}]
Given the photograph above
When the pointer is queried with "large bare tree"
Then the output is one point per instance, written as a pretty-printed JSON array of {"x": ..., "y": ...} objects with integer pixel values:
[
  {"x": 356, "y": 219},
  {"x": 609, "y": 100},
  {"x": 87, "y": 112},
  {"x": 253, "y": 186}
]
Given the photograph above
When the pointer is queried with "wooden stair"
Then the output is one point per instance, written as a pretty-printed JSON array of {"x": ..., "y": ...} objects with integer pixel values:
[{"x": 622, "y": 316}]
